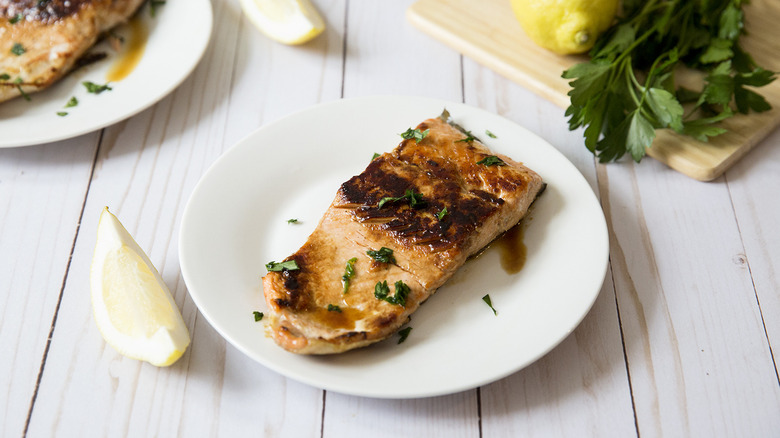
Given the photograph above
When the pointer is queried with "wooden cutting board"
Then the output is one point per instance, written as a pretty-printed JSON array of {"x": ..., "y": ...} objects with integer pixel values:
[{"x": 488, "y": 32}]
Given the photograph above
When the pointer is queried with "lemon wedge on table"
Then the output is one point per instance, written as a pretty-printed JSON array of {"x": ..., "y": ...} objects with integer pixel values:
[
  {"x": 286, "y": 21},
  {"x": 133, "y": 308}
]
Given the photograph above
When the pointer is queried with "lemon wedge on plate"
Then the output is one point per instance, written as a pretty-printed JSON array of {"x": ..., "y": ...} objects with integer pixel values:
[
  {"x": 286, "y": 21},
  {"x": 133, "y": 308}
]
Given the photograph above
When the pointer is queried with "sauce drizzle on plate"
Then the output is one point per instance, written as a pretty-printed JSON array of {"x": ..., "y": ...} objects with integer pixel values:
[{"x": 132, "y": 50}]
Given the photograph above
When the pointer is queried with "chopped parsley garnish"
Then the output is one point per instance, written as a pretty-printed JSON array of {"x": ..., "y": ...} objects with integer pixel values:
[
  {"x": 17, "y": 49},
  {"x": 415, "y": 199},
  {"x": 18, "y": 82},
  {"x": 375, "y": 156},
  {"x": 62, "y": 113},
  {"x": 153, "y": 6},
  {"x": 382, "y": 292},
  {"x": 95, "y": 88},
  {"x": 384, "y": 255},
  {"x": 289, "y": 265},
  {"x": 486, "y": 299},
  {"x": 403, "y": 334},
  {"x": 292, "y": 221},
  {"x": 15, "y": 19},
  {"x": 490, "y": 134},
  {"x": 72, "y": 102},
  {"x": 492, "y": 160},
  {"x": 469, "y": 138},
  {"x": 5, "y": 77},
  {"x": 415, "y": 134},
  {"x": 334, "y": 308},
  {"x": 258, "y": 315},
  {"x": 349, "y": 272},
  {"x": 440, "y": 215}
]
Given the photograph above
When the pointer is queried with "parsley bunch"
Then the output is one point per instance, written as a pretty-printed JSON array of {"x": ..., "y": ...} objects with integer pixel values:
[{"x": 627, "y": 90}]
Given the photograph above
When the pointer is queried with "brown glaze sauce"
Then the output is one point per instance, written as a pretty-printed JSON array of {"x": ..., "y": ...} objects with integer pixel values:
[
  {"x": 512, "y": 249},
  {"x": 338, "y": 320},
  {"x": 132, "y": 50}
]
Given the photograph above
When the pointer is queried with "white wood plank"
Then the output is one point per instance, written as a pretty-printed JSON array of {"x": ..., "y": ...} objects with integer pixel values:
[
  {"x": 698, "y": 358},
  {"x": 452, "y": 416},
  {"x": 753, "y": 184},
  {"x": 147, "y": 168},
  {"x": 42, "y": 190},
  {"x": 581, "y": 387}
]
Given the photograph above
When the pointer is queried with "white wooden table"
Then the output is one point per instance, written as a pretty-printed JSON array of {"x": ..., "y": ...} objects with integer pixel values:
[{"x": 682, "y": 340}]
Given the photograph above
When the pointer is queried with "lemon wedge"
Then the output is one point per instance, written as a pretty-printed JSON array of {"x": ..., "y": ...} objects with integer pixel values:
[
  {"x": 286, "y": 21},
  {"x": 133, "y": 308}
]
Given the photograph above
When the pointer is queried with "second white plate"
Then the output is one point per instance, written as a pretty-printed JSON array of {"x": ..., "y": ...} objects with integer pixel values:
[
  {"x": 236, "y": 221},
  {"x": 178, "y": 36}
]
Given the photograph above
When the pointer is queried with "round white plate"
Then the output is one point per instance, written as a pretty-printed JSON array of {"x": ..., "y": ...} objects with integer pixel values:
[
  {"x": 236, "y": 221},
  {"x": 178, "y": 36}
]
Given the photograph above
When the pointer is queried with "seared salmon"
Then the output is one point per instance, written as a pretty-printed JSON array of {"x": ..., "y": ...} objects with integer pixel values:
[
  {"x": 41, "y": 40},
  {"x": 392, "y": 236}
]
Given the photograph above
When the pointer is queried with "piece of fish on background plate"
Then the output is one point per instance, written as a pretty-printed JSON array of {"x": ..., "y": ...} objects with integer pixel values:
[
  {"x": 42, "y": 40},
  {"x": 404, "y": 226}
]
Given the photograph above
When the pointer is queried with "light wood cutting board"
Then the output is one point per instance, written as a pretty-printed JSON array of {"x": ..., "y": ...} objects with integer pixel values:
[{"x": 488, "y": 32}]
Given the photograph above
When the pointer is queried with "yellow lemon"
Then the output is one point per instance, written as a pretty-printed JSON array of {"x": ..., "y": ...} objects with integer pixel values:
[
  {"x": 133, "y": 308},
  {"x": 286, "y": 21},
  {"x": 565, "y": 26}
]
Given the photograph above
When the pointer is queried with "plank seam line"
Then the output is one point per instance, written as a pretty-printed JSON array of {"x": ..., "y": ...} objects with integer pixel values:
[
  {"x": 322, "y": 420},
  {"x": 62, "y": 289},
  {"x": 752, "y": 280},
  {"x": 344, "y": 47},
  {"x": 608, "y": 216},
  {"x": 479, "y": 411}
]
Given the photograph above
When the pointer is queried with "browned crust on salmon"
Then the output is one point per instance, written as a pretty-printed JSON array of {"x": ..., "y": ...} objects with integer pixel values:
[{"x": 480, "y": 203}]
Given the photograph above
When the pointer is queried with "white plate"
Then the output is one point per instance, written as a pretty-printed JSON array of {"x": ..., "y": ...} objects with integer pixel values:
[
  {"x": 236, "y": 221},
  {"x": 178, "y": 36}
]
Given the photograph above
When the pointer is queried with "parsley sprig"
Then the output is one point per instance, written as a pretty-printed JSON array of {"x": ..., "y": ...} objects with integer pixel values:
[
  {"x": 415, "y": 199},
  {"x": 627, "y": 90},
  {"x": 382, "y": 292},
  {"x": 415, "y": 134}
]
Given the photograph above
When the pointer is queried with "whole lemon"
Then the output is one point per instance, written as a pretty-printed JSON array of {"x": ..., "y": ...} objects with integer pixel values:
[{"x": 565, "y": 26}]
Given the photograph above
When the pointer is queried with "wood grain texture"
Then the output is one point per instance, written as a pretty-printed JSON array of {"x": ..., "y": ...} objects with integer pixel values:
[
  {"x": 489, "y": 33},
  {"x": 693, "y": 332},
  {"x": 753, "y": 186},
  {"x": 41, "y": 194}
]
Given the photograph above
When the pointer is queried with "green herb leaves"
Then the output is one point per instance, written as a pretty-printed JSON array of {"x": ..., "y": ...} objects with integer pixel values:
[
  {"x": 334, "y": 308},
  {"x": 349, "y": 272},
  {"x": 489, "y": 302},
  {"x": 440, "y": 215},
  {"x": 289, "y": 265},
  {"x": 469, "y": 138},
  {"x": 15, "y": 19},
  {"x": 415, "y": 199},
  {"x": 382, "y": 292},
  {"x": 17, "y": 49},
  {"x": 95, "y": 88},
  {"x": 627, "y": 90},
  {"x": 292, "y": 221},
  {"x": 384, "y": 255},
  {"x": 415, "y": 134},
  {"x": 403, "y": 334},
  {"x": 492, "y": 160},
  {"x": 258, "y": 315}
]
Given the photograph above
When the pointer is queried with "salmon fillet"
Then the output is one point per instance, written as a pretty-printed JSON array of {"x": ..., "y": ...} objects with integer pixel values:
[
  {"x": 42, "y": 40},
  {"x": 432, "y": 203}
]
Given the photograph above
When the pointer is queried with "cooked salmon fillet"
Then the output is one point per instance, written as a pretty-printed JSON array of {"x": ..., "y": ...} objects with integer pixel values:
[
  {"x": 41, "y": 40},
  {"x": 432, "y": 202}
]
